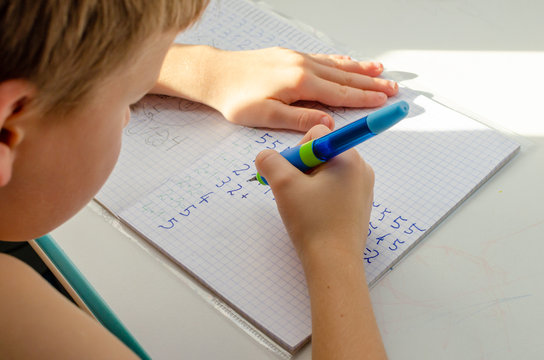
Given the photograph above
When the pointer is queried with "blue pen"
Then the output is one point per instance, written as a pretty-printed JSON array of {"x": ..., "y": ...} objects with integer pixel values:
[{"x": 317, "y": 151}]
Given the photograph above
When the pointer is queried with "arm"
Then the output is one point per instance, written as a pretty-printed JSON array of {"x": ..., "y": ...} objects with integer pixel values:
[
  {"x": 326, "y": 215},
  {"x": 258, "y": 87},
  {"x": 343, "y": 324}
]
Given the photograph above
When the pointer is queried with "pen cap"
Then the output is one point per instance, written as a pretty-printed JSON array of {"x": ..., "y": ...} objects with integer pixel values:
[{"x": 386, "y": 117}]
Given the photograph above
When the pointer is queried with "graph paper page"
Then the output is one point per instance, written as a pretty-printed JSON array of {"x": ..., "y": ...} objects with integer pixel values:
[
  {"x": 181, "y": 182},
  {"x": 227, "y": 231}
]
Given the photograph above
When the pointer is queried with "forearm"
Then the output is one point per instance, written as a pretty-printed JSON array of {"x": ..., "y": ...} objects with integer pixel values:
[
  {"x": 187, "y": 72},
  {"x": 343, "y": 323}
]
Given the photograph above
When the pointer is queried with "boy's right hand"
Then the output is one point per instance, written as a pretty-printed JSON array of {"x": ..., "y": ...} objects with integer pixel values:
[
  {"x": 327, "y": 209},
  {"x": 326, "y": 213}
]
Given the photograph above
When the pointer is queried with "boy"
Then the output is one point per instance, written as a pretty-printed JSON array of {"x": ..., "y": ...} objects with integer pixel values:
[{"x": 69, "y": 72}]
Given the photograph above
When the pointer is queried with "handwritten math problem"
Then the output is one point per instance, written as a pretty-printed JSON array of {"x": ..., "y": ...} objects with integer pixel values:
[
  {"x": 154, "y": 127},
  {"x": 386, "y": 232},
  {"x": 223, "y": 178}
]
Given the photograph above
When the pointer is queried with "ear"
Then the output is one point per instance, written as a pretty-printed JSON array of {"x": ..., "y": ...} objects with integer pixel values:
[{"x": 14, "y": 97}]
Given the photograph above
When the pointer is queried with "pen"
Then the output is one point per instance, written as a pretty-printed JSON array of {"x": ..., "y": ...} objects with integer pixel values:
[{"x": 317, "y": 151}]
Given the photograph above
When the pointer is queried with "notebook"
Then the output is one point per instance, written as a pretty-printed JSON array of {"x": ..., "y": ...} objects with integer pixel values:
[{"x": 181, "y": 182}]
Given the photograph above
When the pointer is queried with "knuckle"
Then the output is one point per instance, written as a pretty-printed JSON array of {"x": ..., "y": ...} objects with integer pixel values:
[
  {"x": 335, "y": 63},
  {"x": 342, "y": 97},
  {"x": 343, "y": 91},
  {"x": 281, "y": 181},
  {"x": 348, "y": 79},
  {"x": 299, "y": 80},
  {"x": 303, "y": 120},
  {"x": 370, "y": 172},
  {"x": 366, "y": 172},
  {"x": 262, "y": 157},
  {"x": 299, "y": 77},
  {"x": 296, "y": 58}
]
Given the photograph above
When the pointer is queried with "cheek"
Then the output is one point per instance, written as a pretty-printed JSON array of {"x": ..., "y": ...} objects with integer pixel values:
[{"x": 103, "y": 151}]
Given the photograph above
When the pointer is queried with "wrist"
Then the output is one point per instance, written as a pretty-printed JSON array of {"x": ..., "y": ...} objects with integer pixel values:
[{"x": 324, "y": 254}]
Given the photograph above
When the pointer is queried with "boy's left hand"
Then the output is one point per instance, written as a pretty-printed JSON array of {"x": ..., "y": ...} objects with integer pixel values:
[{"x": 258, "y": 87}]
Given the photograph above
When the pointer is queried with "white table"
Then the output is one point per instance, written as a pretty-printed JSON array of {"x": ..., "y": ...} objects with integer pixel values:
[{"x": 474, "y": 287}]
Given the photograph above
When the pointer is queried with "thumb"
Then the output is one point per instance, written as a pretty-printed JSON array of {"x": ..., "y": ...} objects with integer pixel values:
[
  {"x": 297, "y": 118},
  {"x": 275, "y": 168}
]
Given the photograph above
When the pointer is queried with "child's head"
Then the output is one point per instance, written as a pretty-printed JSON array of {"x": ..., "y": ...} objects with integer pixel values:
[{"x": 68, "y": 72}]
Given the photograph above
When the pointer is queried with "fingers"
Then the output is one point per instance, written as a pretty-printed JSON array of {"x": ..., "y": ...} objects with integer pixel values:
[
  {"x": 272, "y": 79},
  {"x": 275, "y": 168},
  {"x": 339, "y": 81},
  {"x": 334, "y": 94},
  {"x": 314, "y": 133},
  {"x": 358, "y": 81},
  {"x": 290, "y": 117},
  {"x": 348, "y": 82},
  {"x": 345, "y": 63}
]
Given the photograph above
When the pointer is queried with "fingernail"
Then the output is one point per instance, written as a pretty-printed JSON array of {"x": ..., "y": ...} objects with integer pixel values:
[
  {"x": 325, "y": 120},
  {"x": 393, "y": 85},
  {"x": 378, "y": 65}
]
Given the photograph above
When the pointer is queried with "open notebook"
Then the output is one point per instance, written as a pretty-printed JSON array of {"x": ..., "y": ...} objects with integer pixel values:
[{"x": 181, "y": 182}]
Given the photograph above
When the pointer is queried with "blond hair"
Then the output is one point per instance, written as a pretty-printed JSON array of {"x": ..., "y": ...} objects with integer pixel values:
[{"x": 65, "y": 47}]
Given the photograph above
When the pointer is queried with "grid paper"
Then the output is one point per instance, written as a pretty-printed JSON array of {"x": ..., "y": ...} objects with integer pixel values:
[{"x": 181, "y": 183}]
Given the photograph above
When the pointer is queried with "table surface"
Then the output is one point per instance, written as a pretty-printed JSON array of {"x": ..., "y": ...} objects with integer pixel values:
[{"x": 473, "y": 288}]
